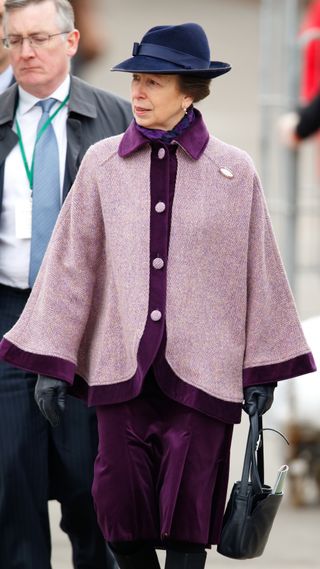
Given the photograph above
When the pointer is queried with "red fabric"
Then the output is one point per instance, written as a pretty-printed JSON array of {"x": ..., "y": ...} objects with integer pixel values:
[{"x": 310, "y": 73}]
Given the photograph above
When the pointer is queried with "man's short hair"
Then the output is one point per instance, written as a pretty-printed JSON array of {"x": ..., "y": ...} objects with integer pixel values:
[{"x": 64, "y": 10}]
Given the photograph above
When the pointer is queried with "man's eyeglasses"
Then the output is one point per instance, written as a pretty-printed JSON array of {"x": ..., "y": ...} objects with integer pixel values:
[{"x": 35, "y": 40}]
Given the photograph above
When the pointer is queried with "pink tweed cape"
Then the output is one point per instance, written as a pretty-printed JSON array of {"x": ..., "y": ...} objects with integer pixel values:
[{"x": 228, "y": 306}]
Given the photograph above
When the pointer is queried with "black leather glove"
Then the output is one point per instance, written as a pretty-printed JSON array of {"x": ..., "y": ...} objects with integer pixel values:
[
  {"x": 258, "y": 398},
  {"x": 50, "y": 395}
]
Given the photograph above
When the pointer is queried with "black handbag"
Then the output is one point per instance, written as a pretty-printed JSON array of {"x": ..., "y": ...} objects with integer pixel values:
[{"x": 252, "y": 506}]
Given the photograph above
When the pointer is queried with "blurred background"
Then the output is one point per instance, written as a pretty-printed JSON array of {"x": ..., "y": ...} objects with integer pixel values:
[{"x": 274, "y": 49}]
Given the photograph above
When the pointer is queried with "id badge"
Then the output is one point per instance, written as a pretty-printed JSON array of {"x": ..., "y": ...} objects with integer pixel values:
[{"x": 23, "y": 215}]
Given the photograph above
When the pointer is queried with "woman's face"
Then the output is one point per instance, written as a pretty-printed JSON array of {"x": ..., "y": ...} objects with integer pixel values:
[{"x": 157, "y": 101}]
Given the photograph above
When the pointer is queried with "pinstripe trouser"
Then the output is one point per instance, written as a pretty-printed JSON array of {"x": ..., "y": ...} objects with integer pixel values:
[{"x": 38, "y": 463}]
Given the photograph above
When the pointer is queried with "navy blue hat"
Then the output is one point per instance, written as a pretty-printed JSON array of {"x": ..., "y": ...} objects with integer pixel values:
[{"x": 182, "y": 49}]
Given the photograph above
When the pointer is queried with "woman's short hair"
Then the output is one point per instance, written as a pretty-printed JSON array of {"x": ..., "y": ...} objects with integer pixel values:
[
  {"x": 64, "y": 11},
  {"x": 196, "y": 87}
]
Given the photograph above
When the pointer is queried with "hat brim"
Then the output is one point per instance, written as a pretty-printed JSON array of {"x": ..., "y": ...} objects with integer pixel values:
[{"x": 146, "y": 64}]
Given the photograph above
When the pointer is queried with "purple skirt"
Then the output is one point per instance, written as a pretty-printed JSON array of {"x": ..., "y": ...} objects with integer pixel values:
[{"x": 161, "y": 473}]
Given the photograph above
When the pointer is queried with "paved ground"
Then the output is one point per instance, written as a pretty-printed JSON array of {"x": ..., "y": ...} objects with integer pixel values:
[{"x": 293, "y": 544}]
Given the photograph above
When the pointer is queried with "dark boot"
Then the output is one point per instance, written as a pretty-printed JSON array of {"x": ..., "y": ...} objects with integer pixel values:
[
  {"x": 145, "y": 558},
  {"x": 181, "y": 560}
]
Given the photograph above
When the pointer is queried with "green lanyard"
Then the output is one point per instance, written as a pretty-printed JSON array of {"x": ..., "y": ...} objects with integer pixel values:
[{"x": 29, "y": 171}]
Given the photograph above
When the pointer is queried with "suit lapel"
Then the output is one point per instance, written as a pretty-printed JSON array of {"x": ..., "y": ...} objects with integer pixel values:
[
  {"x": 81, "y": 106},
  {"x": 8, "y": 138},
  {"x": 73, "y": 151}
]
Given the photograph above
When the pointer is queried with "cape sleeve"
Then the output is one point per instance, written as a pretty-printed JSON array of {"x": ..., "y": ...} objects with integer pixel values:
[
  {"x": 275, "y": 345},
  {"x": 47, "y": 336}
]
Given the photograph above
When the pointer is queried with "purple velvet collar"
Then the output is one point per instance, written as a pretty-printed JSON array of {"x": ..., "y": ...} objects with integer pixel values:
[{"x": 192, "y": 140}]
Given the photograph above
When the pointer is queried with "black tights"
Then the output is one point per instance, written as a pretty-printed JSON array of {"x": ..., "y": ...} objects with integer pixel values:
[{"x": 130, "y": 547}]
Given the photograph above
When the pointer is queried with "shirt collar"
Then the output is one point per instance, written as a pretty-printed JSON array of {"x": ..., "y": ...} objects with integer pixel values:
[
  {"x": 27, "y": 101},
  {"x": 193, "y": 140}
]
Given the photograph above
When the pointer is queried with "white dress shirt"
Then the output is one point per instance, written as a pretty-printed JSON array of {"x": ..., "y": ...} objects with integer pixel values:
[{"x": 14, "y": 251}]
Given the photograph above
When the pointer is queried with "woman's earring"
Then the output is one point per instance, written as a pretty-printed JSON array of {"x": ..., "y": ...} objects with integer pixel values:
[{"x": 185, "y": 111}]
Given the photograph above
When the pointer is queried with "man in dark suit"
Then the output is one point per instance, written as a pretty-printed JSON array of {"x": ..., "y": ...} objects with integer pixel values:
[{"x": 37, "y": 462}]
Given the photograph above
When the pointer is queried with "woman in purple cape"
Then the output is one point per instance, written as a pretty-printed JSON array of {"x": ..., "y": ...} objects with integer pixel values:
[{"x": 162, "y": 300}]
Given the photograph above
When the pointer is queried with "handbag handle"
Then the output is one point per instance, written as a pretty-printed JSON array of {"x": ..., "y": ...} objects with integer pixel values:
[
  {"x": 253, "y": 466},
  {"x": 260, "y": 453}
]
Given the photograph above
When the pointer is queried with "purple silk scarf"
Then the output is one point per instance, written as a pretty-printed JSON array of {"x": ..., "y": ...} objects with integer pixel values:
[{"x": 167, "y": 136}]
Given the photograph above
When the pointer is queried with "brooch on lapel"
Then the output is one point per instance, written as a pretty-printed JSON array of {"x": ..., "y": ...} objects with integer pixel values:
[{"x": 226, "y": 172}]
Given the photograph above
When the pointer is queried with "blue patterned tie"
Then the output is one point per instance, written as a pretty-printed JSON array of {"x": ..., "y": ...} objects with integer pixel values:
[{"x": 46, "y": 190}]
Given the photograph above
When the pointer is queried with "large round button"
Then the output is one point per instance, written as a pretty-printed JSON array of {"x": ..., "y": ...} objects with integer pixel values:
[
  {"x": 160, "y": 207},
  {"x": 156, "y": 315},
  {"x": 158, "y": 263},
  {"x": 161, "y": 153}
]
